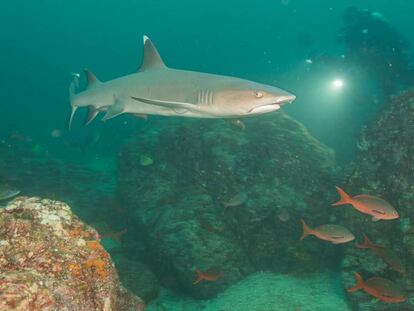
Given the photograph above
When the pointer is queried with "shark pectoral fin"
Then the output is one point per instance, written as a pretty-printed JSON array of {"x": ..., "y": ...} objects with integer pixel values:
[
  {"x": 182, "y": 107},
  {"x": 91, "y": 115},
  {"x": 114, "y": 110}
]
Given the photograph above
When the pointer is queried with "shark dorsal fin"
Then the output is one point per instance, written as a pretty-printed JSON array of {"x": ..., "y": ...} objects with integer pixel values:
[
  {"x": 151, "y": 59},
  {"x": 92, "y": 79}
]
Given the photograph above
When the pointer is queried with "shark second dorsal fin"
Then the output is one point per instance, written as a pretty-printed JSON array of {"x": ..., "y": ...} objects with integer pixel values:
[
  {"x": 151, "y": 59},
  {"x": 92, "y": 79}
]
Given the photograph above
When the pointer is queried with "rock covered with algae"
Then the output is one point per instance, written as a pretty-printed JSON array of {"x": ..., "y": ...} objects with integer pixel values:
[
  {"x": 50, "y": 260},
  {"x": 187, "y": 204},
  {"x": 384, "y": 167}
]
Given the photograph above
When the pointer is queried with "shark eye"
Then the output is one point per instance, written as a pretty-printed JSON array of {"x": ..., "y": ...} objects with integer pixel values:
[{"x": 258, "y": 94}]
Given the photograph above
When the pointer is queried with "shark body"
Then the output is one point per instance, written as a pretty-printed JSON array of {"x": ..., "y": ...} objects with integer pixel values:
[{"x": 158, "y": 90}]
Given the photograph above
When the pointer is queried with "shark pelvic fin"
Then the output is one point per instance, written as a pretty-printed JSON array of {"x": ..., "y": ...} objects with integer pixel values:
[
  {"x": 92, "y": 79},
  {"x": 167, "y": 104},
  {"x": 114, "y": 110},
  {"x": 151, "y": 59},
  {"x": 91, "y": 115}
]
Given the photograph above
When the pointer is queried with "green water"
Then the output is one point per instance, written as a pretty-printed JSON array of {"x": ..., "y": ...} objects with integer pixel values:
[{"x": 166, "y": 179}]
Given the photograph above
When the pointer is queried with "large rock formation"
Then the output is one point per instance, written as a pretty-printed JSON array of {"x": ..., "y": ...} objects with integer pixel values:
[
  {"x": 50, "y": 260},
  {"x": 384, "y": 167},
  {"x": 174, "y": 179}
]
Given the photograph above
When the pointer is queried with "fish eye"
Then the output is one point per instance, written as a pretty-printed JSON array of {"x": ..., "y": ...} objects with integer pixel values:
[{"x": 258, "y": 94}]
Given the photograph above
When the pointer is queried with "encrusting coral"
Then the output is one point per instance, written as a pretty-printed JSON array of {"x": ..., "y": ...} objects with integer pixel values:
[{"x": 50, "y": 260}]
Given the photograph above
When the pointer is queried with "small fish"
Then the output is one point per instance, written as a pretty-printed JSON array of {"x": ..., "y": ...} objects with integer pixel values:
[
  {"x": 368, "y": 204},
  {"x": 237, "y": 200},
  {"x": 205, "y": 276},
  {"x": 145, "y": 160},
  {"x": 332, "y": 233},
  {"x": 383, "y": 289},
  {"x": 116, "y": 236},
  {"x": 386, "y": 254},
  {"x": 7, "y": 192}
]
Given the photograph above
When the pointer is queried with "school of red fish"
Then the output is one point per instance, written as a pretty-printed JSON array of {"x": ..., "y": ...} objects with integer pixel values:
[{"x": 379, "y": 209}]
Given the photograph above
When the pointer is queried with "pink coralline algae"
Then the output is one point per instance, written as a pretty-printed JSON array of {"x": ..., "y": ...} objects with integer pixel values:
[{"x": 50, "y": 260}]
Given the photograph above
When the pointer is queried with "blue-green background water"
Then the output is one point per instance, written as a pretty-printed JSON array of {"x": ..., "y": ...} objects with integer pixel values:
[
  {"x": 292, "y": 44},
  {"x": 43, "y": 41}
]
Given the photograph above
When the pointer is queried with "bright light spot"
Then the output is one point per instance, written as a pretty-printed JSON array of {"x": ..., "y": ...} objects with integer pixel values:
[{"x": 337, "y": 84}]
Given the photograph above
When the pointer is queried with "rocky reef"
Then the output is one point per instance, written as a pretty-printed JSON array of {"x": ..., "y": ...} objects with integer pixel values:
[
  {"x": 176, "y": 180},
  {"x": 384, "y": 167},
  {"x": 265, "y": 291},
  {"x": 50, "y": 260}
]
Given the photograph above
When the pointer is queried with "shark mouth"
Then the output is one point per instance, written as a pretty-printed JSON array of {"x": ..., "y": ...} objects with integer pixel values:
[{"x": 280, "y": 101}]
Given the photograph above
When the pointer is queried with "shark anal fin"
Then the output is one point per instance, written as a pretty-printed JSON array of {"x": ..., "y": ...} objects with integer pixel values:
[
  {"x": 151, "y": 59},
  {"x": 91, "y": 115},
  {"x": 114, "y": 110}
]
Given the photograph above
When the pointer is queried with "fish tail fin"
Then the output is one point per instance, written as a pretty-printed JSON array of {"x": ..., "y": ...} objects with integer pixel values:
[
  {"x": 74, "y": 85},
  {"x": 199, "y": 278},
  {"x": 306, "y": 230},
  {"x": 345, "y": 198},
  {"x": 367, "y": 243},
  {"x": 359, "y": 283},
  {"x": 117, "y": 236}
]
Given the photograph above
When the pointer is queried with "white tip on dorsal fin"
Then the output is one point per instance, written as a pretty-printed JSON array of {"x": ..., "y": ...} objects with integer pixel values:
[
  {"x": 151, "y": 59},
  {"x": 92, "y": 79}
]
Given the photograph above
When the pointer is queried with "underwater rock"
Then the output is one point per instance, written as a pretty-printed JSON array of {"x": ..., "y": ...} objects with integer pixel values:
[
  {"x": 138, "y": 278},
  {"x": 265, "y": 291},
  {"x": 50, "y": 260},
  {"x": 178, "y": 204},
  {"x": 384, "y": 167}
]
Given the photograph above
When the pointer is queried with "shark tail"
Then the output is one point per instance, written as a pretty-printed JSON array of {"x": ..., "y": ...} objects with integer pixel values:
[{"x": 73, "y": 87}]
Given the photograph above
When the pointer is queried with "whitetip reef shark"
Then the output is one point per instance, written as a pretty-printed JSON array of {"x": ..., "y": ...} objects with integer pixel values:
[{"x": 156, "y": 89}]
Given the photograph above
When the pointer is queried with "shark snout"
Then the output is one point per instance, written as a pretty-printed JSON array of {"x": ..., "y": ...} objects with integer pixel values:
[{"x": 286, "y": 99}]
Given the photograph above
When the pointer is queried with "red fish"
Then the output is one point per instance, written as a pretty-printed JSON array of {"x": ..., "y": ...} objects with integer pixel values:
[
  {"x": 368, "y": 204},
  {"x": 332, "y": 233},
  {"x": 387, "y": 255},
  {"x": 383, "y": 289},
  {"x": 202, "y": 276},
  {"x": 114, "y": 235}
]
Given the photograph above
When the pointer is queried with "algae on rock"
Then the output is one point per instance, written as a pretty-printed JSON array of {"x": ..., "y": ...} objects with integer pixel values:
[
  {"x": 176, "y": 204},
  {"x": 384, "y": 167}
]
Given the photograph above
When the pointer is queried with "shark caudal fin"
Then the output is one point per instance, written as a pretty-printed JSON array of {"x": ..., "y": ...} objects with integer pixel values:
[
  {"x": 306, "y": 230},
  {"x": 73, "y": 87},
  {"x": 345, "y": 198},
  {"x": 359, "y": 283},
  {"x": 151, "y": 59}
]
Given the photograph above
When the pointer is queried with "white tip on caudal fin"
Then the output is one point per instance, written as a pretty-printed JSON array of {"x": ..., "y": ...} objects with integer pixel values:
[
  {"x": 306, "y": 230},
  {"x": 359, "y": 283},
  {"x": 345, "y": 198}
]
